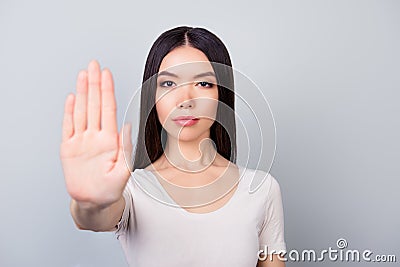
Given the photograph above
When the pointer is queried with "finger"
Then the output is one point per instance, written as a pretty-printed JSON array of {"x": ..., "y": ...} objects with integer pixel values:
[
  {"x": 80, "y": 109},
  {"x": 108, "y": 105},
  {"x": 68, "y": 124},
  {"x": 94, "y": 95}
]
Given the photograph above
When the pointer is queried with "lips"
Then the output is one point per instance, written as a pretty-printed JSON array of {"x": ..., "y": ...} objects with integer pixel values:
[{"x": 186, "y": 120}]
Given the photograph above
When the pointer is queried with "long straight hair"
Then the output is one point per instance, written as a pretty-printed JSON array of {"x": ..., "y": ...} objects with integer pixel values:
[{"x": 150, "y": 140}]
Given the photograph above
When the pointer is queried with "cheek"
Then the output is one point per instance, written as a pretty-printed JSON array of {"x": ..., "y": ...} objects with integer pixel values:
[
  {"x": 164, "y": 109},
  {"x": 207, "y": 107},
  {"x": 164, "y": 105}
]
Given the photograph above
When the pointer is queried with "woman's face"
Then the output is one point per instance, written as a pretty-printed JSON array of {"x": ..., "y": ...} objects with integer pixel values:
[{"x": 187, "y": 94}]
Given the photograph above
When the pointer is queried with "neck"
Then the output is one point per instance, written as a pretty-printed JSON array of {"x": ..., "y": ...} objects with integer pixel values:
[{"x": 191, "y": 156}]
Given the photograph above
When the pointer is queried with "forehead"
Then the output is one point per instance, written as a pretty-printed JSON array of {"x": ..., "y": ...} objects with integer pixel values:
[{"x": 185, "y": 55}]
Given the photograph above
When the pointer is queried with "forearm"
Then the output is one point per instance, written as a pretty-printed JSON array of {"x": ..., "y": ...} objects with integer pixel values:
[{"x": 97, "y": 219}]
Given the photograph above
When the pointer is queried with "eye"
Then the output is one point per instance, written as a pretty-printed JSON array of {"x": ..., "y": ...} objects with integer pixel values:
[
  {"x": 167, "y": 84},
  {"x": 206, "y": 84}
]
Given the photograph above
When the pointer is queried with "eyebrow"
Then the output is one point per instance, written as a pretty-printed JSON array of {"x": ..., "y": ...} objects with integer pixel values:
[{"x": 204, "y": 74}]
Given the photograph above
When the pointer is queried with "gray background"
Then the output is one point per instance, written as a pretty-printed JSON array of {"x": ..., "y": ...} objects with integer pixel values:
[{"x": 330, "y": 70}]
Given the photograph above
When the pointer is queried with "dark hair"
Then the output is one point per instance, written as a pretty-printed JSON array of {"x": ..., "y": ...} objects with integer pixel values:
[{"x": 149, "y": 146}]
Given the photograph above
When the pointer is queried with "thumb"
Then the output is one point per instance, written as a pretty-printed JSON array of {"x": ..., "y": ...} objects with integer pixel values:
[{"x": 125, "y": 149}]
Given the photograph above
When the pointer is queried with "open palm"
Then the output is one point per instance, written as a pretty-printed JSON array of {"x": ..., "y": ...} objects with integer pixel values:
[{"x": 92, "y": 152}]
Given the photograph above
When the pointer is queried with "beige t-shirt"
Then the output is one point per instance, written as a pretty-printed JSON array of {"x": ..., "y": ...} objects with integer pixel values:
[{"x": 152, "y": 233}]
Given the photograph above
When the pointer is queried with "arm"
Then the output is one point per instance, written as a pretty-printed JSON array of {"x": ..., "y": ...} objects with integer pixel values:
[
  {"x": 272, "y": 232},
  {"x": 97, "y": 219},
  {"x": 92, "y": 152}
]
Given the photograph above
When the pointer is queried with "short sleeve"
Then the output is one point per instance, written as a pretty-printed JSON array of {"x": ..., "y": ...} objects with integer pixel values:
[
  {"x": 123, "y": 224},
  {"x": 271, "y": 237}
]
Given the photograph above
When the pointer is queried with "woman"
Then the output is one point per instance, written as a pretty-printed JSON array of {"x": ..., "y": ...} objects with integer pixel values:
[{"x": 187, "y": 96}]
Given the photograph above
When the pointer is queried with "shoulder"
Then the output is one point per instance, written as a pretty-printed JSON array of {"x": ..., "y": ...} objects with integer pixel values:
[
  {"x": 261, "y": 184},
  {"x": 258, "y": 180},
  {"x": 135, "y": 176}
]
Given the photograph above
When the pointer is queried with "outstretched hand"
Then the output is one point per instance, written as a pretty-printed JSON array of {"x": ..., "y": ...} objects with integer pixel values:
[{"x": 92, "y": 152}]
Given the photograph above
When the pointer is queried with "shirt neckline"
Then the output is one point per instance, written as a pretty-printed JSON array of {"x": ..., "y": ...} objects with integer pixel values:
[{"x": 200, "y": 214}]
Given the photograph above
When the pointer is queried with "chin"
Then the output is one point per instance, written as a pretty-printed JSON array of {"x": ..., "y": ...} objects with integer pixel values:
[{"x": 187, "y": 136}]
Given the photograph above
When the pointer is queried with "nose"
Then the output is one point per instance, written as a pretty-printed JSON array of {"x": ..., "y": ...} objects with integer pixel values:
[
  {"x": 184, "y": 97},
  {"x": 187, "y": 104}
]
